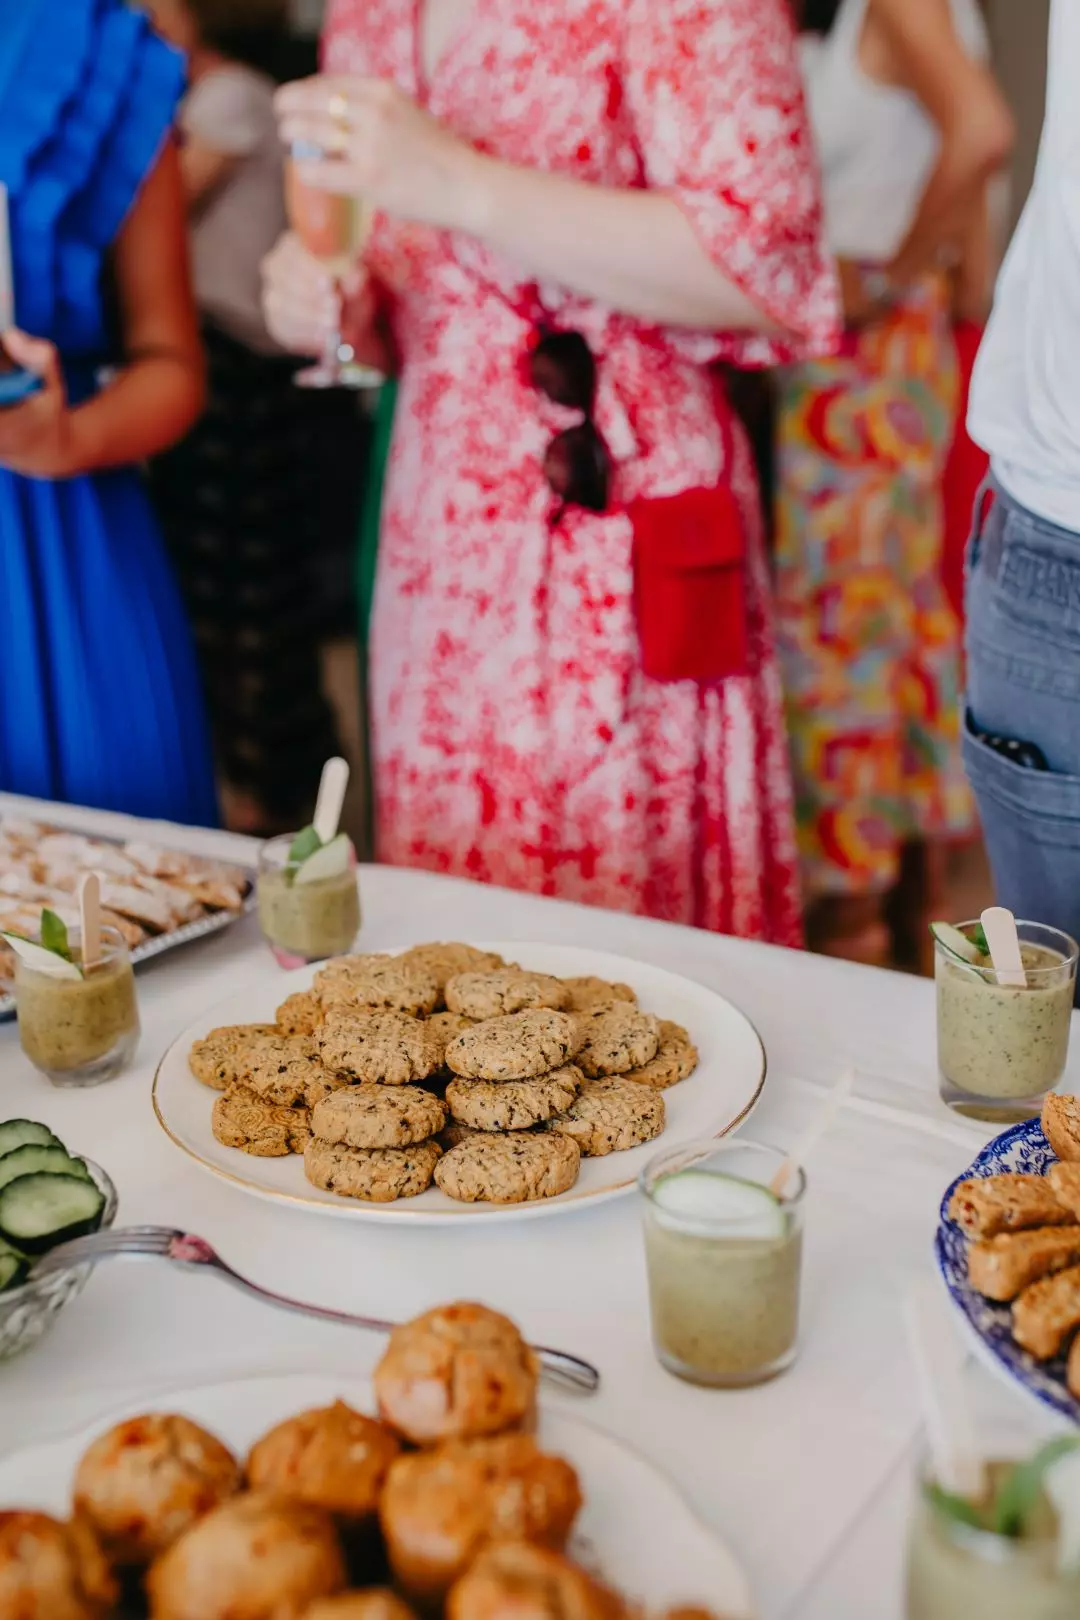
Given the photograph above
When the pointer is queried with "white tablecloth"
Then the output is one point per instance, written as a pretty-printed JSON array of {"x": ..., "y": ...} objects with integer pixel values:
[{"x": 806, "y": 1477}]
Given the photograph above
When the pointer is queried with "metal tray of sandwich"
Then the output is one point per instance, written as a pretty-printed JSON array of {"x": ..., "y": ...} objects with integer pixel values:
[{"x": 159, "y": 898}]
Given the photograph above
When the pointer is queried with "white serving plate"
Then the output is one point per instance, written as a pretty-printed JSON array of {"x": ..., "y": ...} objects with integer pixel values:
[
  {"x": 716, "y": 1098},
  {"x": 635, "y": 1530}
]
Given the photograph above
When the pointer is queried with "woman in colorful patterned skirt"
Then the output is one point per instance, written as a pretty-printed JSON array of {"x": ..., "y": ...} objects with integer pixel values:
[
  {"x": 909, "y": 125},
  {"x": 630, "y": 187}
]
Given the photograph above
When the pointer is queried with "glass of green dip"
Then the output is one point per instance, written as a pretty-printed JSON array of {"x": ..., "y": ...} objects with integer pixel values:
[
  {"x": 1002, "y": 1047},
  {"x": 303, "y": 919},
  {"x": 723, "y": 1254},
  {"x": 82, "y": 1027},
  {"x": 959, "y": 1570}
]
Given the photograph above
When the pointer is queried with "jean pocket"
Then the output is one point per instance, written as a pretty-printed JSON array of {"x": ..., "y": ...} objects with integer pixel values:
[{"x": 1047, "y": 803}]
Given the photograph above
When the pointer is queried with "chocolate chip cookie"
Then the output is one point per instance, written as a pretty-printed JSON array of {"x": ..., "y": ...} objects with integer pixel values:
[
  {"x": 508, "y": 1168},
  {"x": 378, "y": 1175},
  {"x": 213, "y": 1059},
  {"x": 382, "y": 1048},
  {"x": 371, "y": 1116},
  {"x": 609, "y": 1116},
  {"x": 242, "y": 1120},
  {"x": 377, "y": 984},
  {"x": 508, "y": 990},
  {"x": 590, "y": 991},
  {"x": 300, "y": 1014},
  {"x": 615, "y": 1038},
  {"x": 676, "y": 1059},
  {"x": 518, "y": 1047},
  {"x": 512, "y": 1105}
]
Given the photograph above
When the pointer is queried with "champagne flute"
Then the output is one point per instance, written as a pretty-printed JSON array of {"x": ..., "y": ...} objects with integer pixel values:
[{"x": 334, "y": 229}]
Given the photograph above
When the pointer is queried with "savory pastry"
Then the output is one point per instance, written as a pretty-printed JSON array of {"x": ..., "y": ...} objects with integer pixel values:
[
  {"x": 1064, "y": 1183},
  {"x": 374, "y": 1603},
  {"x": 439, "y": 1507},
  {"x": 507, "y": 990},
  {"x": 53, "y": 1571},
  {"x": 508, "y": 1167},
  {"x": 676, "y": 1059},
  {"x": 455, "y": 1373},
  {"x": 518, "y": 1047},
  {"x": 512, "y": 1105},
  {"x": 300, "y": 1014},
  {"x": 241, "y": 1119},
  {"x": 987, "y": 1205},
  {"x": 386, "y": 1049},
  {"x": 368, "y": 1116},
  {"x": 213, "y": 1060},
  {"x": 1072, "y": 1369},
  {"x": 1061, "y": 1125},
  {"x": 518, "y": 1580},
  {"x": 442, "y": 961},
  {"x": 145, "y": 1481},
  {"x": 609, "y": 1116},
  {"x": 378, "y": 1175},
  {"x": 378, "y": 984},
  {"x": 590, "y": 991},
  {"x": 615, "y": 1038},
  {"x": 331, "y": 1457},
  {"x": 257, "y": 1557},
  {"x": 1045, "y": 1315},
  {"x": 1000, "y": 1267}
]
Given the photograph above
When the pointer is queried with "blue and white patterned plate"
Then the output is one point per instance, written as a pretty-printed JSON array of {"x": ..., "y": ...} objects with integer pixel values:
[{"x": 1024, "y": 1149}]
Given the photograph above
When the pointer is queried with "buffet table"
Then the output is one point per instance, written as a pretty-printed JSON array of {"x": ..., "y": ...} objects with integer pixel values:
[{"x": 807, "y": 1478}]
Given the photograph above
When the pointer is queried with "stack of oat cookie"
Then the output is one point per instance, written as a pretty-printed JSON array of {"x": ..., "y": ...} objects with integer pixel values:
[{"x": 444, "y": 1064}]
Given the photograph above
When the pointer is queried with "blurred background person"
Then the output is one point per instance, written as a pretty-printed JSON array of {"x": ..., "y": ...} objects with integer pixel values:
[
  {"x": 572, "y": 223},
  {"x": 239, "y": 497},
  {"x": 909, "y": 126},
  {"x": 100, "y": 701}
]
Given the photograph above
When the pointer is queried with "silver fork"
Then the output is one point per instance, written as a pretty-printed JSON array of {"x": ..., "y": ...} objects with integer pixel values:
[{"x": 185, "y": 1249}]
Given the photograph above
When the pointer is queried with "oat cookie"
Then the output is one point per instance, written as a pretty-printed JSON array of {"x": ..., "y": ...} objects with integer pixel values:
[
  {"x": 300, "y": 1014},
  {"x": 369, "y": 1116},
  {"x": 242, "y": 1120},
  {"x": 445, "y": 1025},
  {"x": 379, "y": 984},
  {"x": 609, "y": 1116},
  {"x": 676, "y": 1059},
  {"x": 441, "y": 961},
  {"x": 383, "y": 1048},
  {"x": 615, "y": 1038},
  {"x": 517, "y": 1047},
  {"x": 286, "y": 1070},
  {"x": 512, "y": 1105},
  {"x": 508, "y": 990},
  {"x": 213, "y": 1059},
  {"x": 593, "y": 992},
  {"x": 452, "y": 1134},
  {"x": 508, "y": 1168},
  {"x": 378, "y": 1175}
]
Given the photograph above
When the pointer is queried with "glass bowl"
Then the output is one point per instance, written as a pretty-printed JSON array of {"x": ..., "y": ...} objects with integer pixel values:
[{"x": 28, "y": 1312}]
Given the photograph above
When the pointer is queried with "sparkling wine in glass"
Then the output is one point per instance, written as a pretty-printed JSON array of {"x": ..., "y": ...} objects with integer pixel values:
[{"x": 334, "y": 229}]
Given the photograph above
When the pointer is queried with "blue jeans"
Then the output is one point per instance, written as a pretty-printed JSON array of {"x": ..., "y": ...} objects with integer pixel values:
[{"x": 1023, "y": 675}]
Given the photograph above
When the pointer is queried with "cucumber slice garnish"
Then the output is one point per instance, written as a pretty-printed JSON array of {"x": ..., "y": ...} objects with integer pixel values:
[
  {"x": 42, "y": 961},
  {"x": 703, "y": 1197},
  {"x": 956, "y": 943},
  {"x": 32, "y": 1158},
  {"x": 39, "y": 1211},
  {"x": 13, "y": 1268},
  {"x": 329, "y": 861},
  {"x": 16, "y": 1133}
]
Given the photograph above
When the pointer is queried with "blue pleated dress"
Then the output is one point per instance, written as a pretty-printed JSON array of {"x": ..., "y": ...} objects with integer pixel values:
[{"x": 100, "y": 702}]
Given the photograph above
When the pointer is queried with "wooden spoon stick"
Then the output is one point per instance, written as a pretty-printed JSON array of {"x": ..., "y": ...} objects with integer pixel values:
[
  {"x": 328, "y": 806},
  {"x": 999, "y": 926},
  {"x": 814, "y": 1132},
  {"x": 90, "y": 918}
]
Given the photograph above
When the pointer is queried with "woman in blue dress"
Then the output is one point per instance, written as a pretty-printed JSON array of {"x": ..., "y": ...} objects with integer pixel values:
[{"x": 99, "y": 693}]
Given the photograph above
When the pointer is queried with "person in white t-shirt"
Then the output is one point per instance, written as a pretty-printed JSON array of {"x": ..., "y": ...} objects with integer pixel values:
[
  {"x": 1022, "y": 736},
  {"x": 238, "y": 498}
]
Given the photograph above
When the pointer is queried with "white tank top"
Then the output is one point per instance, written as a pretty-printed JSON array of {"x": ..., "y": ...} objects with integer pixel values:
[{"x": 876, "y": 143}]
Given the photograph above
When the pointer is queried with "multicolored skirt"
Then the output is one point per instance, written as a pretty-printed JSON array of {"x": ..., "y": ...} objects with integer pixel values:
[{"x": 868, "y": 641}]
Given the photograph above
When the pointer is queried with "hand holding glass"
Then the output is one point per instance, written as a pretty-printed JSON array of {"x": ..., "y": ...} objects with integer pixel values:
[{"x": 333, "y": 229}]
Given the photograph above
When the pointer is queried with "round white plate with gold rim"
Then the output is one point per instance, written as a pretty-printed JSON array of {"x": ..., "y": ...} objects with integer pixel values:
[
  {"x": 716, "y": 1098},
  {"x": 635, "y": 1529}
]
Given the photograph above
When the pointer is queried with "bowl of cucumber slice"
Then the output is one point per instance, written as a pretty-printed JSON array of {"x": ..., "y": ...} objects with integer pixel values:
[{"x": 47, "y": 1196}]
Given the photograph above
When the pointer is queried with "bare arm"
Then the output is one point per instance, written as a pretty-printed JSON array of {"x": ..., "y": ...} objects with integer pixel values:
[
  {"x": 964, "y": 102},
  {"x": 973, "y": 280},
  {"x": 203, "y": 169}
]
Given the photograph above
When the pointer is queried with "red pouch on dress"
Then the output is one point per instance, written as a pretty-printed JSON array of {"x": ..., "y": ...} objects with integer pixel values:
[{"x": 689, "y": 585}]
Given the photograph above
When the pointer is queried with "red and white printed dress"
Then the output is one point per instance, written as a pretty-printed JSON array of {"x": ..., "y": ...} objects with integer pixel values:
[{"x": 515, "y": 739}]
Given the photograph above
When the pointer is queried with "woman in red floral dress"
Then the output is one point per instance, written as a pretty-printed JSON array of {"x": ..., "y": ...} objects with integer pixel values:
[{"x": 638, "y": 172}]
